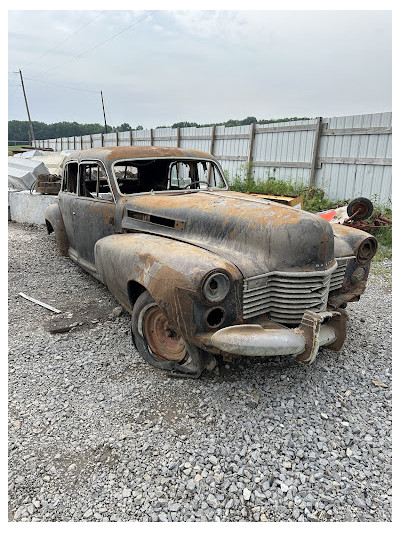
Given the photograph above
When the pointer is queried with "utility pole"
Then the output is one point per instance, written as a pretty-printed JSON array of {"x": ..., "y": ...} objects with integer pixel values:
[
  {"x": 104, "y": 113},
  {"x": 32, "y": 136}
]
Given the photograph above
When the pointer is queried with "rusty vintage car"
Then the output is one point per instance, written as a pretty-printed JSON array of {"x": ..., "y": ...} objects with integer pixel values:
[{"x": 203, "y": 270}]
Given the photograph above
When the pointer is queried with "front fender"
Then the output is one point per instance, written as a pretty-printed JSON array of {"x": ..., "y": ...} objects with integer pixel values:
[
  {"x": 170, "y": 270},
  {"x": 55, "y": 222},
  {"x": 347, "y": 239}
]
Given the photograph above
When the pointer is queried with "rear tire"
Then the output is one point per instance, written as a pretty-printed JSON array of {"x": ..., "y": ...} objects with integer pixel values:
[{"x": 160, "y": 346}]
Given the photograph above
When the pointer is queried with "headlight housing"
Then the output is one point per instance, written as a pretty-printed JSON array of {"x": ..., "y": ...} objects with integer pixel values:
[
  {"x": 216, "y": 287},
  {"x": 366, "y": 251}
]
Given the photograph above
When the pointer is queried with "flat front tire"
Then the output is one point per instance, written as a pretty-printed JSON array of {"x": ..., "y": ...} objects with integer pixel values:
[{"x": 160, "y": 345}]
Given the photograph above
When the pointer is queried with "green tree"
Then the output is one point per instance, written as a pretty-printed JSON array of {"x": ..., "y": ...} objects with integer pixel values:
[{"x": 124, "y": 127}]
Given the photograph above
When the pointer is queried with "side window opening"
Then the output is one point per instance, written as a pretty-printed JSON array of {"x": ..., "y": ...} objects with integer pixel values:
[
  {"x": 93, "y": 182},
  {"x": 70, "y": 177}
]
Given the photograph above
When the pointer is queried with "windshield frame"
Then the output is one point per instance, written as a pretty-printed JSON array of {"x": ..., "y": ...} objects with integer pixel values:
[{"x": 171, "y": 160}]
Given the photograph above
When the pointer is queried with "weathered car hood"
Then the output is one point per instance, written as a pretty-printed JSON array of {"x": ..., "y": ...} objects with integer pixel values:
[{"x": 257, "y": 235}]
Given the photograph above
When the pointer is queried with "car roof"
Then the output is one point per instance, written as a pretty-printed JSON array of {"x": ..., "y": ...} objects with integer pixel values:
[{"x": 112, "y": 153}]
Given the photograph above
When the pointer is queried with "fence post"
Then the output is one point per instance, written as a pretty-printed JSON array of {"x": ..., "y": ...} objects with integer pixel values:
[
  {"x": 251, "y": 143},
  {"x": 81, "y": 143},
  {"x": 74, "y": 142},
  {"x": 151, "y": 137},
  {"x": 178, "y": 136},
  {"x": 212, "y": 139},
  {"x": 318, "y": 127},
  {"x": 130, "y": 137},
  {"x": 102, "y": 139},
  {"x": 117, "y": 138}
]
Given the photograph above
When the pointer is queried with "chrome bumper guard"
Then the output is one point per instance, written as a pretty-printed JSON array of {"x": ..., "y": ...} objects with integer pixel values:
[{"x": 315, "y": 330}]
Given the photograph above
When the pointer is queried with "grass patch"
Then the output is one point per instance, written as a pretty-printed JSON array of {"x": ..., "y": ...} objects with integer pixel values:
[
  {"x": 10, "y": 148},
  {"x": 383, "y": 234},
  {"x": 313, "y": 198}
]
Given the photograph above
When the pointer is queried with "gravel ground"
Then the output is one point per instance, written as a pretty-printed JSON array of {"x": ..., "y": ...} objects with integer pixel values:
[{"x": 96, "y": 434}]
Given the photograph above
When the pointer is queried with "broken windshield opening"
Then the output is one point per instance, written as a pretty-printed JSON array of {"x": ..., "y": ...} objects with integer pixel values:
[{"x": 137, "y": 176}]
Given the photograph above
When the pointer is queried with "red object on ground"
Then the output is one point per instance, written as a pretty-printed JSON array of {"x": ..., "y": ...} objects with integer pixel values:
[{"x": 328, "y": 216}]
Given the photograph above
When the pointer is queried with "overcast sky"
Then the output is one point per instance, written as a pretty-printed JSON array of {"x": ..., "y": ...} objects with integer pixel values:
[{"x": 200, "y": 66}]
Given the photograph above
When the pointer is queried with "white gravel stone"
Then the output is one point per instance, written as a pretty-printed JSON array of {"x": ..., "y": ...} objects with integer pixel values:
[{"x": 246, "y": 494}]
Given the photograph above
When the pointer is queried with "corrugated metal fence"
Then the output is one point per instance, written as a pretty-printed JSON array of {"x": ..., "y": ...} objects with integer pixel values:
[{"x": 346, "y": 156}]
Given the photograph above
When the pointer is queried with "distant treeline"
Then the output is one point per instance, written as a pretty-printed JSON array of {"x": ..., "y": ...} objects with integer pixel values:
[
  {"x": 19, "y": 129},
  {"x": 232, "y": 122}
]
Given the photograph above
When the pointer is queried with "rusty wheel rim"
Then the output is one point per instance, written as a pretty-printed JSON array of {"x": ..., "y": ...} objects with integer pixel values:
[
  {"x": 363, "y": 210},
  {"x": 163, "y": 341}
]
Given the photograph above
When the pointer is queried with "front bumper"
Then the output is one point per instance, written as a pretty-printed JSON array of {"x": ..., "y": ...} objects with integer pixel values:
[{"x": 315, "y": 330}]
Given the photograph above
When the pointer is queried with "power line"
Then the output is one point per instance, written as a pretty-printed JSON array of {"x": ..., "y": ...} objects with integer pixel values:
[
  {"x": 119, "y": 33},
  {"x": 99, "y": 44},
  {"x": 12, "y": 93},
  {"x": 64, "y": 86},
  {"x": 67, "y": 39}
]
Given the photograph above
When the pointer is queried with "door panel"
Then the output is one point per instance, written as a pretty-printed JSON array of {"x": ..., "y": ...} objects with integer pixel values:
[
  {"x": 93, "y": 219},
  {"x": 93, "y": 210}
]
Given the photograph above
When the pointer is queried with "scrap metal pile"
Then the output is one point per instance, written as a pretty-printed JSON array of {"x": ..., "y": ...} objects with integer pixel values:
[{"x": 360, "y": 215}]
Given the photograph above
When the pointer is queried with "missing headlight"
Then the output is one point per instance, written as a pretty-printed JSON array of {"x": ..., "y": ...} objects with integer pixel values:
[
  {"x": 215, "y": 317},
  {"x": 216, "y": 287},
  {"x": 366, "y": 250}
]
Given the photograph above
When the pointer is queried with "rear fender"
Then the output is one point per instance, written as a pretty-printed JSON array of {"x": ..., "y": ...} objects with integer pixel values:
[{"x": 55, "y": 222}]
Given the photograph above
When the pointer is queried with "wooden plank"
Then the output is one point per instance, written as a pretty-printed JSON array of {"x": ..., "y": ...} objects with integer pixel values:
[
  {"x": 317, "y": 136},
  {"x": 358, "y": 131},
  {"x": 281, "y": 164},
  {"x": 212, "y": 143},
  {"x": 130, "y": 138},
  {"x": 251, "y": 143},
  {"x": 178, "y": 136},
  {"x": 151, "y": 137},
  {"x": 39, "y": 302},
  {"x": 220, "y": 137},
  {"x": 196, "y": 137},
  {"x": 165, "y": 138},
  {"x": 273, "y": 129},
  {"x": 224, "y": 136},
  {"x": 355, "y": 160},
  {"x": 117, "y": 137},
  {"x": 231, "y": 157}
]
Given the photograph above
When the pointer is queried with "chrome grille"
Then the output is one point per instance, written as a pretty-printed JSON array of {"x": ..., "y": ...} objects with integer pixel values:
[
  {"x": 285, "y": 296},
  {"x": 338, "y": 275}
]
